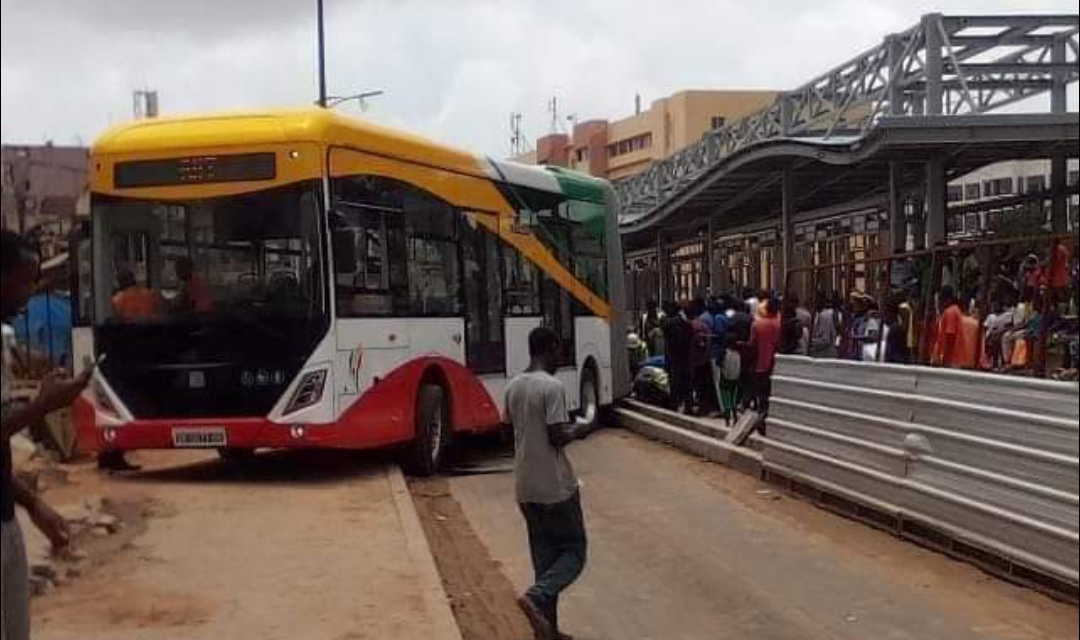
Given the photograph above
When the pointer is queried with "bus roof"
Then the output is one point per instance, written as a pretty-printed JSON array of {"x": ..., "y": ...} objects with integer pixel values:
[
  {"x": 190, "y": 133},
  {"x": 181, "y": 134}
]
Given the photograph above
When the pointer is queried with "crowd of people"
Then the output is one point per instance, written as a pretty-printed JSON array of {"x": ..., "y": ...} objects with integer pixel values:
[{"x": 715, "y": 355}]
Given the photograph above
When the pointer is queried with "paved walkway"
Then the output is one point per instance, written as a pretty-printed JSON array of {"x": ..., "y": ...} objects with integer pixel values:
[{"x": 683, "y": 550}]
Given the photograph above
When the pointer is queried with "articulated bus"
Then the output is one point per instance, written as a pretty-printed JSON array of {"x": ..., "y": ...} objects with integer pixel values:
[{"x": 303, "y": 280}]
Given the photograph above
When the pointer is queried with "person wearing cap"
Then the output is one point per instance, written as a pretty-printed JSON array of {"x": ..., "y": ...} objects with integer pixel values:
[{"x": 638, "y": 352}]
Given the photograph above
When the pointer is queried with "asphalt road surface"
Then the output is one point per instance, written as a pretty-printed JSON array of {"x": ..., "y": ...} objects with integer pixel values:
[{"x": 684, "y": 550}]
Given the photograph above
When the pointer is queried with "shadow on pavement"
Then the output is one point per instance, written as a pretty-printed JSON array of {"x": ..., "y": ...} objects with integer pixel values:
[{"x": 286, "y": 467}]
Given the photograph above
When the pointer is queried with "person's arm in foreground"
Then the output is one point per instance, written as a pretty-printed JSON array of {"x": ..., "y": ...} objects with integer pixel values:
[
  {"x": 561, "y": 430},
  {"x": 563, "y": 434},
  {"x": 56, "y": 394},
  {"x": 44, "y": 517}
]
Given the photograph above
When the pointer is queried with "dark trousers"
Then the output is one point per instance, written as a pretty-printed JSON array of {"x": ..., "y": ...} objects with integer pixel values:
[
  {"x": 682, "y": 385},
  {"x": 559, "y": 549},
  {"x": 763, "y": 391},
  {"x": 704, "y": 389}
]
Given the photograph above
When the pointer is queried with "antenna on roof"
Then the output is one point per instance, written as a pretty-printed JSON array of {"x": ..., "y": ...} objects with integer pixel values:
[
  {"x": 517, "y": 139},
  {"x": 553, "y": 109},
  {"x": 146, "y": 104}
]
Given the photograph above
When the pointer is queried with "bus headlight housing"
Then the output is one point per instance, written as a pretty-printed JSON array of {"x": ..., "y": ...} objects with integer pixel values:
[
  {"x": 101, "y": 398},
  {"x": 309, "y": 392}
]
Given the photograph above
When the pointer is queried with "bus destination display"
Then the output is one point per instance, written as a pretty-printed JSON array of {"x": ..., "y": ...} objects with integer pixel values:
[{"x": 250, "y": 167}]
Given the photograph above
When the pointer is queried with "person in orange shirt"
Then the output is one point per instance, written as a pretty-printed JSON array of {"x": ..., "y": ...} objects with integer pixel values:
[
  {"x": 968, "y": 347},
  {"x": 949, "y": 330},
  {"x": 1059, "y": 271},
  {"x": 133, "y": 303}
]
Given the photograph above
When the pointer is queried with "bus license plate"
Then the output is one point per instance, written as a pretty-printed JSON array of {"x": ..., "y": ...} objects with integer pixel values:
[{"x": 200, "y": 438}]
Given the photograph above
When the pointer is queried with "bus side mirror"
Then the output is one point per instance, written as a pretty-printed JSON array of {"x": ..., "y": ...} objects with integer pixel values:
[{"x": 345, "y": 260}]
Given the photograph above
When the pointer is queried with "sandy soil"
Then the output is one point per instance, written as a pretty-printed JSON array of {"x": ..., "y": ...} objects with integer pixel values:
[
  {"x": 482, "y": 597},
  {"x": 290, "y": 547}
]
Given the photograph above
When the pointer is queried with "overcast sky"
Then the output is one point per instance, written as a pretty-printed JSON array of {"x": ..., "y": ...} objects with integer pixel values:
[{"x": 452, "y": 69}]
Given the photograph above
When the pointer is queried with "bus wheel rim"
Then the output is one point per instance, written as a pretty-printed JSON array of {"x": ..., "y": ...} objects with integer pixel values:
[{"x": 590, "y": 400}]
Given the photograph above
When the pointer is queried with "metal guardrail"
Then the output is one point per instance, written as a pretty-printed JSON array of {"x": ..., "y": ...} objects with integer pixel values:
[{"x": 988, "y": 461}]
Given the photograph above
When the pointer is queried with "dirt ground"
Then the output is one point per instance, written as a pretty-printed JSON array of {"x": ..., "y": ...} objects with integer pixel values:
[
  {"x": 482, "y": 597},
  {"x": 289, "y": 547}
]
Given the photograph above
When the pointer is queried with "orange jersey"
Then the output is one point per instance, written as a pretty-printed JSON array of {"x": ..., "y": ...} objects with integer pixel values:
[
  {"x": 1059, "y": 267},
  {"x": 966, "y": 353},
  {"x": 136, "y": 303}
]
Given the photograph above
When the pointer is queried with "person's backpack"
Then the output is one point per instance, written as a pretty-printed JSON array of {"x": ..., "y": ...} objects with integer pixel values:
[{"x": 731, "y": 369}]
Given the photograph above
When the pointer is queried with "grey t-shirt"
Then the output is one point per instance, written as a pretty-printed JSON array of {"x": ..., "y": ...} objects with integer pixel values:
[{"x": 535, "y": 401}]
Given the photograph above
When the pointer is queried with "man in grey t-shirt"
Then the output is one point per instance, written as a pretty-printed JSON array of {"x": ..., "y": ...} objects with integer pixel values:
[{"x": 547, "y": 489}]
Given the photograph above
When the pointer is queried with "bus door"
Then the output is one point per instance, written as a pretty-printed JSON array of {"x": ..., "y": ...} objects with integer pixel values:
[{"x": 485, "y": 342}]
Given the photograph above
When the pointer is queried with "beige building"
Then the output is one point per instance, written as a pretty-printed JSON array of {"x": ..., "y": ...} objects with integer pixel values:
[{"x": 621, "y": 148}]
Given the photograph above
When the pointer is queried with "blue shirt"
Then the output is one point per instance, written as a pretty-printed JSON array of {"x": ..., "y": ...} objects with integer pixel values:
[{"x": 719, "y": 337}]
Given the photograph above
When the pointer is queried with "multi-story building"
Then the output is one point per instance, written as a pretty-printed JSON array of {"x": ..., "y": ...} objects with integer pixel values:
[
  {"x": 621, "y": 148},
  {"x": 1005, "y": 184},
  {"x": 43, "y": 188},
  {"x": 42, "y": 183}
]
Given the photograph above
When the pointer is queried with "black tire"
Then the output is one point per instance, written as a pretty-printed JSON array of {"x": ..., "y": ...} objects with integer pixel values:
[
  {"x": 236, "y": 457},
  {"x": 590, "y": 398},
  {"x": 425, "y": 455}
]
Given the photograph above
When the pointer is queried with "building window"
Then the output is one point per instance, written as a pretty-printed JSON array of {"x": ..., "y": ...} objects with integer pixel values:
[
  {"x": 973, "y": 191},
  {"x": 718, "y": 122},
  {"x": 1074, "y": 178},
  {"x": 1036, "y": 184},
  {"x": 1000, "y": 187},
  {"x": 630, "y": 145},
  {"x": 956, "y": 193}
]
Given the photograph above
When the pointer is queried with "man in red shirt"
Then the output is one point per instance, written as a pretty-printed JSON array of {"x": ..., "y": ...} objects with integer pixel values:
[
  {"x": 952, "y": 320},
  {"x": 765, "y": 343}
]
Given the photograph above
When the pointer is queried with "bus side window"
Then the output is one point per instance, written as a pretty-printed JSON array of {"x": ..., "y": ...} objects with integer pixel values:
[
  {"x": 521, "y": 279},
  {"x": 395, "y": 250}
]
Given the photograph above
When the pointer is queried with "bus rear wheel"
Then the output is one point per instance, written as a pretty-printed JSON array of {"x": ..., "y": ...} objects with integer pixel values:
[
  {"x": 425, "y": 456},
  {"x": 590, "y": 397}
]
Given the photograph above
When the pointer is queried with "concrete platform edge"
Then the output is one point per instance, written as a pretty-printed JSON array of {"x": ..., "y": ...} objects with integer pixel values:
[{"x": 433, "y": 592}]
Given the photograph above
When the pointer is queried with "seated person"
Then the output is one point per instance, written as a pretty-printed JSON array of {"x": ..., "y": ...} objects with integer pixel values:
[
  {"x": 134, "y": 303},
  {"x": 193, "y": 297}
]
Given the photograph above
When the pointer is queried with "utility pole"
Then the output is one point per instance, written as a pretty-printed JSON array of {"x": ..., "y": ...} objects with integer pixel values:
[{"x": 323, "y": 98}]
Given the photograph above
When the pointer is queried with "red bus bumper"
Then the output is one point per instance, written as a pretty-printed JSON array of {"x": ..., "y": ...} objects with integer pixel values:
[{"x": 239, "y": 433}]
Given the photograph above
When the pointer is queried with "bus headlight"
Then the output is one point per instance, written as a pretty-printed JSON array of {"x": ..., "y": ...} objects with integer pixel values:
[{"x": 309, "y": 392}]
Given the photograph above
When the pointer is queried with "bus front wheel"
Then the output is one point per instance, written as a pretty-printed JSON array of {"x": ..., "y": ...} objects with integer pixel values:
[
  {"x": 425, "y": 455},
  {"x": 236, "y": 457}
]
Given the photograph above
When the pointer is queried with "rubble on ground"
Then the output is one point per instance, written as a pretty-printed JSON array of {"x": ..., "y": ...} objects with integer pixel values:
[{"x": 94, "y": 517}]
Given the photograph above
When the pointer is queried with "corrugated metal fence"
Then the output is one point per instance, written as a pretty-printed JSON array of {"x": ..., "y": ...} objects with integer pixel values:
[{"x": 979, "y": 465}]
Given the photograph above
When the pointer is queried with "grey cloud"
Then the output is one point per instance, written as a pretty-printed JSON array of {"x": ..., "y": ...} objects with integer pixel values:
[{"x": 452, "y": 69}]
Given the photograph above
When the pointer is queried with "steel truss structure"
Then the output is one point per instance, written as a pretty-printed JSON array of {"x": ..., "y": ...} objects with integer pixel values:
[{"x": 944, "y": 66}]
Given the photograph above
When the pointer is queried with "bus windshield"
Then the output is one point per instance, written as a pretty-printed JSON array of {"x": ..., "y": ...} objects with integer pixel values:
[{"x": 251, "y": 256}]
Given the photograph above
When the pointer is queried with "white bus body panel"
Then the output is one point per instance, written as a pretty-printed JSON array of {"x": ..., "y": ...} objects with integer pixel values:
[
  {"x": 372, "y": 349},
  {"x": 593, "y": 340}
]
